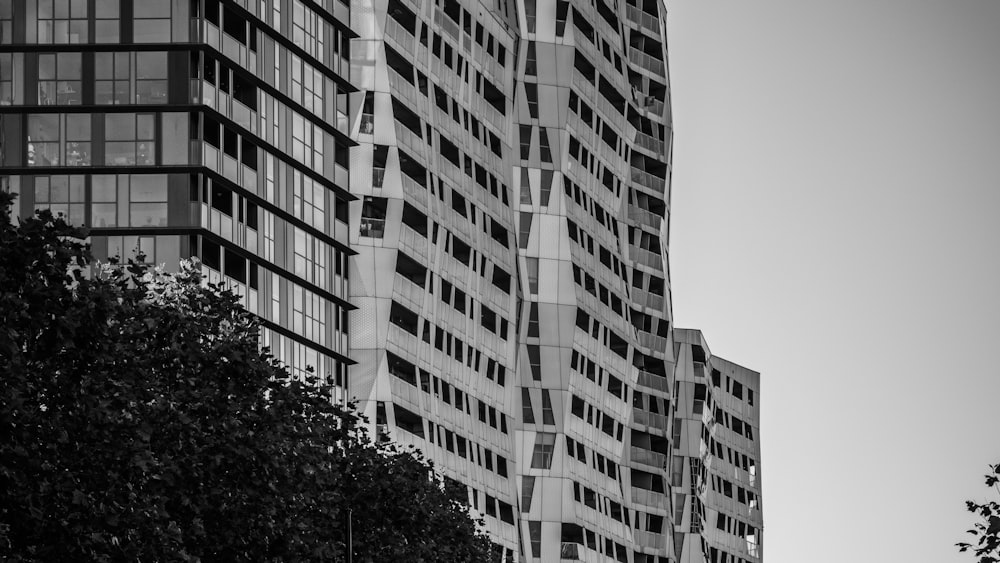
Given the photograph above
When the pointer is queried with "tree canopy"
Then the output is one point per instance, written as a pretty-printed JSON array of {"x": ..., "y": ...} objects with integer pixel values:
[
  {"x": 140, "y": 420},
  {"x": 987, "y": 531}
]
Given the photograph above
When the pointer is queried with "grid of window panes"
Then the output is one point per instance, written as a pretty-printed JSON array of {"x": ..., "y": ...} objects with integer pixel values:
[{"x": 183, "y": 143}]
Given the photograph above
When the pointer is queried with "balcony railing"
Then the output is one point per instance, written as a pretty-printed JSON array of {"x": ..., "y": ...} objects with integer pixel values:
[
  {"x": 649, "y": 143},
  {"x": 648, "y": 498},
  {"x": 646, "y": 61},
  {"x": 643, "y": 18},
  {"x": 654, "y": 459}
]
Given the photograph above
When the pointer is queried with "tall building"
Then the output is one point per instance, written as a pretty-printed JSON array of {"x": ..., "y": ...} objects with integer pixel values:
[
  {"x": 194, "y": 128},
  {"x": 479, "y": 191},
  {"x": 716, "y": 466}
]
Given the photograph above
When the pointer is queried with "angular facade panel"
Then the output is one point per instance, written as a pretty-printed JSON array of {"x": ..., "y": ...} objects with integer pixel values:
[{"x": 435, "y": 276}]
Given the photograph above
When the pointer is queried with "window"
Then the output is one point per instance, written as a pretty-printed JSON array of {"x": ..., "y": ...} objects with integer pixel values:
[
  {"x": 543, "y": 143},
  {"x": 527, "y": 491},
  {"x": 533, "y": 319},
  {"x": 106, "y": 25},
  {"x": 59, "y": 79},
  {"x": 546, "y": 187},
  {"x": 541, "y": 458},
  {"x": 11, "y": 77},
  {"x": 379, "y": 158},
  {"x": 63, "y": 195},
  {"x": 531, "y": 93},
  {"x": 525, "y": 187},
  {"x": 59, "y": 139},
  {"x": 547, "y": 414},
  {"x": 535, "y": 535},
  {"x": 6, "y": 22},
  {"x": 151, "y": 77},
  {"x": 113, "y": 72},
  {"x": 130, "y": 139},
  {"x": 524, "y": 229},
  {"x": 529, "y": 15},
  {"x": 308, "y": 200},
  {"x": 373, "y": 217},
  {"x": 530, "y": 63},
  {"x": 306, "y": 136},
  {"x": 307, "y": 30},
  {"x": 310, "y": 257},
  {"x": 532, "y": 271},
  {"x": 307, "y": 88},
  {"x": 139, "y": 200},
  {"x": 525, "y": 136},
  {"x": 535, "y": 361},
  {"x": 61, "y": 21},
  {"x": 152, "y": 21},
  {"x": 527, "y": 412}
]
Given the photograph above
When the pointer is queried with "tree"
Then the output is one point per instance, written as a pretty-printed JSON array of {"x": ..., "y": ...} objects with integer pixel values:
[
  {"x": 987, "y": 531},
  {"x": 139, "y": 420}
]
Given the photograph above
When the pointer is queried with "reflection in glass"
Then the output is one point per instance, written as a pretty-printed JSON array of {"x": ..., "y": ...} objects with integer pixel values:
[
  {"x": 106, "y": 25},
  {"x": 78, "y": 139},
  {"x": 43, "y": 140},
  {"x": 112, "y": 78},
  {"x": 62, "y": 195},
  {"x": 151, "y": 77},
  {"x": 148, "y": 200},
  {"x": 59, "y": 79},
  {"x": 102, "y": 208}
]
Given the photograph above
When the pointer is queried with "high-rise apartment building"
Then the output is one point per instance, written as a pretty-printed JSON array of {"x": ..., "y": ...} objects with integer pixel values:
[
  {"x": 194, "y": 128},
  {"x": 498, "y": 250},
  {"x": 716, "y": 456}
]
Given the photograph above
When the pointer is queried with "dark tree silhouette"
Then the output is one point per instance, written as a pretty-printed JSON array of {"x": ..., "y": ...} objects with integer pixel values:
[
  {"x": 139, "y": 420},
  {"x": 987, "y": 531}
]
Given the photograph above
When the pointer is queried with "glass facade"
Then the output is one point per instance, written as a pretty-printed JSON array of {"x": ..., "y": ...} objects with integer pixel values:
[{"x": 194, "y": 128}]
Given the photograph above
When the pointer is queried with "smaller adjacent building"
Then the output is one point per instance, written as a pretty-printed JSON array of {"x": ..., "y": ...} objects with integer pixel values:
[{"x": 715, "y": 472}]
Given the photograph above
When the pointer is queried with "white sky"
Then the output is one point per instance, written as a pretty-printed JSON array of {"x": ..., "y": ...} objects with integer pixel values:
[{"x": 835, "y": 226}]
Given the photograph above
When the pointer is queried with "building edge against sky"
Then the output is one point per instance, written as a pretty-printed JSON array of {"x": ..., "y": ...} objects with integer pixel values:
[{"x": 504, "y": 227}]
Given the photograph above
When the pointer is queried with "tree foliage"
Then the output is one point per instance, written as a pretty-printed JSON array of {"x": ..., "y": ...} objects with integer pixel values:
[
  {"x": 987, "y": 531},
  {"x": 139, "y": 420}
]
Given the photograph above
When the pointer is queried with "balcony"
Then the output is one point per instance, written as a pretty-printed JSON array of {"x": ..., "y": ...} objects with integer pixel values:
[
  {"x": 400, "y": 36},
  {"x": 649, "y": 498},
  {"x": 651, "y": 458},
  {"x": 648, "y": 62},
  {"x": 645, "y": 257},
  {"x": 647, "y": 379},
  {"x": 650, "y": 539},
  {"x": 650, "y": 143},
  {"x": 643, "y": 19},
  {"x": 648, "y": 180},
  {"x": 657, "y": 421}
]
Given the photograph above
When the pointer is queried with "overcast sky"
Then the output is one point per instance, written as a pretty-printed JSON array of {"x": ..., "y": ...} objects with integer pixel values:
[{"x": 836, "y": 227}]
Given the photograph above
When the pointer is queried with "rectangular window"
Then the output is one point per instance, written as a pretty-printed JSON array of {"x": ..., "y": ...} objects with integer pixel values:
[
  {"x": 373, "y": 217},
  {"x": 113, "y": 77},
  {"x": 63, "y": 195},
  {"x": 130, "y": 139},
  {"x": 541, "y": 457},
  {"x": 62, "y": 21},
  {"x": 107, "y": 26},
  {"x": 59, "y": 79},
  {"x": 59, "y": 139},
  {"x": 152, "y": 21}
]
